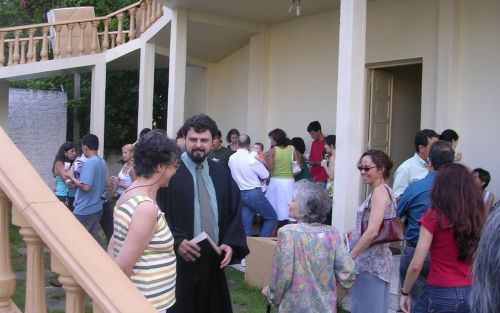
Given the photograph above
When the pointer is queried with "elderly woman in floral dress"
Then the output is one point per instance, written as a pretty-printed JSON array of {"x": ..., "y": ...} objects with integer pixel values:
[{"x": 311, "y": 260}]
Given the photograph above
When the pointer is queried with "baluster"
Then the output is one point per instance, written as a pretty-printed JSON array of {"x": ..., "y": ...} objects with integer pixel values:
[
  {"x": 81, "y": 48},
  {"x": 7, "y": 278},
  {"x": 57, "y": 48},
  {"x": 159, "y": 10},
  {"x": 35, "y": 278},
  {"x": 119, "y": 36},
  {"x": 44, "y": 54},
  {"x": 143, "y": 16},
  {"x": 69, "y": 44},
  {"x": 148, "y": 14},
  {"x": 113, "y": 40},
  {"x": 35, "y": 45},
  {"x": 30, "y": 53},
  {"x": 17, "y": 33},
  {"x": 105, "y": 42},
  {"x": 153, "y": 12},
  {"x": 93, "y": 45},
  {"x": 23, "y": 52},
  {"x": 2, "y": 53},
  {"x": 74, "y": 293},
  {"x": 11, "y": 52},
  {"x": 131, "y": 33}
]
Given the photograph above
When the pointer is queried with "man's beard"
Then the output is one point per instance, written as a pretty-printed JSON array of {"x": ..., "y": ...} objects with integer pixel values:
[{"x": 197, "y": 158}]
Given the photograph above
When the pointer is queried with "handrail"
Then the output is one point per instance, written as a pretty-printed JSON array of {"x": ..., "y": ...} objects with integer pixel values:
[
  {"x": 18, "y": 44},
  {"x": 87, "y": 20},
  {"x": 42, "y": 217}
]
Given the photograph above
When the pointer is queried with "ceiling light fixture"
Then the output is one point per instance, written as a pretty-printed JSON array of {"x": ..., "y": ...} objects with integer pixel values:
[{"x": 296, "y": 4}]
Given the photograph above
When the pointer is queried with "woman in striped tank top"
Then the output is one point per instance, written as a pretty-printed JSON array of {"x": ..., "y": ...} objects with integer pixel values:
[{"x": 142, "y": 244}]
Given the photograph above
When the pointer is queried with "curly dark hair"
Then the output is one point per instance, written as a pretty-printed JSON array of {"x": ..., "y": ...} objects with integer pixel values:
[
  {"x": 457, "y": 197},
  {"x": 381, "y": 160},
  {"x": 279, "y": 136},
  {"x": 153, "y": 149},
  {"x": 200, "y": 123}
]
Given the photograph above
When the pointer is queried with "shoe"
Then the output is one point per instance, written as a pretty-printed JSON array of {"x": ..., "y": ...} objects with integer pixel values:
[
  {"x": 55, "y": 283},
  {"x": 243, "y": 263}
]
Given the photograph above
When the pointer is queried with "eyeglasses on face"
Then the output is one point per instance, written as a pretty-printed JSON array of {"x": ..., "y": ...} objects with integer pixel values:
[{"x": 365, "y": 168}]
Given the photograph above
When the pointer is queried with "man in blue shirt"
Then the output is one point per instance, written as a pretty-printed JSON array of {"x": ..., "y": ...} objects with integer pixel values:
[
  {"x": 412, "y": 204},
  {"x": 91, "y": 183}
]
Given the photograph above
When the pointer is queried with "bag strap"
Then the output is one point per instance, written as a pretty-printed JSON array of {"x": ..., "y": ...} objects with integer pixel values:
[{"x": 370, "y": 201}]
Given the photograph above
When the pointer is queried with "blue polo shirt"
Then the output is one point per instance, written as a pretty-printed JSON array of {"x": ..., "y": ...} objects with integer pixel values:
[
  {"x": 94, "y": 175},
  {"x": 413, "y": 203}
]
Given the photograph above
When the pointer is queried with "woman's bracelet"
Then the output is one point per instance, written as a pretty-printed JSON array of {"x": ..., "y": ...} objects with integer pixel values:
[{"x": 404, "y": 293}]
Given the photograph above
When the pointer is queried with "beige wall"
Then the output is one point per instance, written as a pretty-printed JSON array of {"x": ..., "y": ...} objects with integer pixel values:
[
  {"x": 478, "y": 87},
  {"x": 196, "y": 91},
  {"x": 228, "y": 99}
]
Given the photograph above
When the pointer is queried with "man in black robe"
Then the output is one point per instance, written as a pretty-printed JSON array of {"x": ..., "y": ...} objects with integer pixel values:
[{"x": 201, "y": 283}]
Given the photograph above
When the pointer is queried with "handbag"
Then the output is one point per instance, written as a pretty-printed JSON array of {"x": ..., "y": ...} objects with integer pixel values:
[
  {"x": 296, "y": 169},
  {"x": 391, "y": 229}
]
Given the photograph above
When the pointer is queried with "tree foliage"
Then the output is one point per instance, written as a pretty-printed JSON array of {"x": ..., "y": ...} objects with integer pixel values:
[{"x": 121, "y": 86}]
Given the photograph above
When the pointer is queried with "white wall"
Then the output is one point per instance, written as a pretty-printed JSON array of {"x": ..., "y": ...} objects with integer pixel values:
[
  {"x": 228, "y": 100},
  {"x": 37, "y": 125},
  {"x": 398, "y": 30},
  {"x": 478, "y": 87},
  {"x": 196, "y": 91},
  {"x": 303, "y": 75}
]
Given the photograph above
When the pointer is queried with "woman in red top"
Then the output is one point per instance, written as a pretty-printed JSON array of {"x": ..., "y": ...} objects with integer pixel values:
[{"x": 450, "y": 230}]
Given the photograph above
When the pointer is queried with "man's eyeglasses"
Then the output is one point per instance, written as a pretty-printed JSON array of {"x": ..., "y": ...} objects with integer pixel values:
[{"x": 365, "y": 168}]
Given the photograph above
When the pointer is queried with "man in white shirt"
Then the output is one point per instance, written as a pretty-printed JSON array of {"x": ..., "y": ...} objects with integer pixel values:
[
  {"x": 247, "y": 172},
  {"x": 415, "y": 168}
]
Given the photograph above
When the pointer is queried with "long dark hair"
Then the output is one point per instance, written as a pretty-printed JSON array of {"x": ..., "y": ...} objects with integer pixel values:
[
  {"x": 60, "y": 156},
  {"x": 457, "y": 197}
]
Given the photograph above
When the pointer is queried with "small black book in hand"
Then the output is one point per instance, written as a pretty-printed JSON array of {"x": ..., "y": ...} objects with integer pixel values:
[{"x": 210, "y": 252}]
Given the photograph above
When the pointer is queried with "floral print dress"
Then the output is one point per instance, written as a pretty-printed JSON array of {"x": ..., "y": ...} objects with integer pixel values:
[{"x": 309, "y": 261}]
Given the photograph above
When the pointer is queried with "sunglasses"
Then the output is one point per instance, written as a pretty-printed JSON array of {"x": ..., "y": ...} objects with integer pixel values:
[{"x": 365, "y": 169}]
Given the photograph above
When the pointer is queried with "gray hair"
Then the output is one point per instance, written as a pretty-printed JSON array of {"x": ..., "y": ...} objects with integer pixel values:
[
  {"x": 485, "y": 293},
  {"x": 313, "y": 202}
]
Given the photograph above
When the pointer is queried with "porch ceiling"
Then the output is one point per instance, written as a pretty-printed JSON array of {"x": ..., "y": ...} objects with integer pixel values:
[
  {"x": 258, "y": 11},
  {"x": 213, "y": 37}
]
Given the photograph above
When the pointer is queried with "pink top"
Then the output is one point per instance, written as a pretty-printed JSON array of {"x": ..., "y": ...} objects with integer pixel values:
[{"x": 445, "y": 270}]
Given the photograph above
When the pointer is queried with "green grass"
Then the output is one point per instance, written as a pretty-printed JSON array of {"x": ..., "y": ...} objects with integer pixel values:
[{"x": 250, "y": 299}]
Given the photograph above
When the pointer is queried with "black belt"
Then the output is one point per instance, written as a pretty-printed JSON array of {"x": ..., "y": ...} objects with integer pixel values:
[{"x": 411, "y": 244}]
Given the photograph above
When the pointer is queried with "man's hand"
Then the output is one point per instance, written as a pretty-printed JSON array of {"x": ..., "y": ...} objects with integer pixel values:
[
  {"x": 227, "y": 256},
  {"x": 405, "y": 303},
  {"x": 188, "y": 251},
  {"x": 265, "y": 291}
]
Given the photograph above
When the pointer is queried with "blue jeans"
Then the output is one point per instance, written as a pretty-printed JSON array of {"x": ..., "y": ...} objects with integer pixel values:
[
  {"x": 404, "y": 263},
  {"x": 254, "y": 201},
  {"x": 91, "y": 223},
  {"x": 444, "y": 300}
]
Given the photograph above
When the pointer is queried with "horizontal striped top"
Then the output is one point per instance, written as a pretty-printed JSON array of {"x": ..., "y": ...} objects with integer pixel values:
[{"x": 154, "y": 272}]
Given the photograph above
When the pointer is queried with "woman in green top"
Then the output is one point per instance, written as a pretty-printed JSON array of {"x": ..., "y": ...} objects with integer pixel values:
[{"x": 282, "y": 183}]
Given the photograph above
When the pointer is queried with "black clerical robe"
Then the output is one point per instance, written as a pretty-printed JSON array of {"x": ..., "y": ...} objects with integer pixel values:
[{"x": 202, "y": 287}]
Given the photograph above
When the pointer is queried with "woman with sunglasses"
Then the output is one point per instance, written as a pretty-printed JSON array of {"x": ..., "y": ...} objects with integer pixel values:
[{"x": 370, "y": 293}]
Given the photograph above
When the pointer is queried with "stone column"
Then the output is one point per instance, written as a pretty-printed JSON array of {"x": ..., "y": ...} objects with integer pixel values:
[
  {"x": 7, "y": 278},
  {"x": 350, "y": 112},
  {"x": 98, "y": 103},
  {"x": 256, "y": 119},
  {"x": 146, "y": 87},
  {"x": 4, "y": 105},
  {"x": 177, "y": 71}
]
